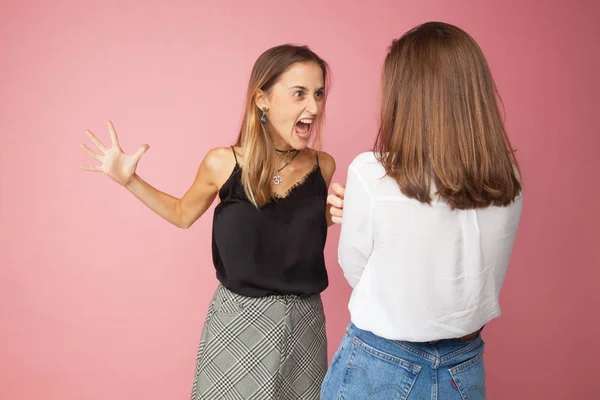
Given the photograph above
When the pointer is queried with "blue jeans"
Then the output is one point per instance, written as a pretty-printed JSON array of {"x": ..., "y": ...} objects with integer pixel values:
[{"x": 368, "y": 367}]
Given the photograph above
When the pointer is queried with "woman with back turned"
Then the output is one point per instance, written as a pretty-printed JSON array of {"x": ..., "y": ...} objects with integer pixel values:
[{"x": 429, "y": 222}]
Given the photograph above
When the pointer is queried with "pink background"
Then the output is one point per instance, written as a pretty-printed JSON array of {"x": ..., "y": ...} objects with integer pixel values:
[{"x": 101, "y": 299}]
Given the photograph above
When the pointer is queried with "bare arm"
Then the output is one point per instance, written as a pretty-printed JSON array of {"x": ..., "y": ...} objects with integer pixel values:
[
  {"x": 198, "y": 198},
  {"x": 183, "y": 212},
  {"x": 328, "y": 168}
]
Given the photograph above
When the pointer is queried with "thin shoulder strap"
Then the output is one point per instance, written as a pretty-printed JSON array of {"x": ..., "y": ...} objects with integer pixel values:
[
  {"x": 317, "y": 155},
  {"x": 234, "y": 156}
]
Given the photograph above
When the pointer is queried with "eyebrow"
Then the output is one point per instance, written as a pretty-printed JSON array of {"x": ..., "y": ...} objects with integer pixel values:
[{"x": 305, "y": 89}]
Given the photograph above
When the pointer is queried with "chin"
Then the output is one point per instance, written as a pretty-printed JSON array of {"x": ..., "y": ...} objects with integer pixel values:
[{"x": 299, "y": 144}]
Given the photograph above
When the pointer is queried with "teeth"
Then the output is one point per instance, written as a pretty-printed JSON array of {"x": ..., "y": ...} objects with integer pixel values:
[{"x": 306, "y": 121}]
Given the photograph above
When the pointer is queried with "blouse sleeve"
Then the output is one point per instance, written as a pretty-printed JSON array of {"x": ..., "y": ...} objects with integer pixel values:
[{"x": 356, "y": 238}]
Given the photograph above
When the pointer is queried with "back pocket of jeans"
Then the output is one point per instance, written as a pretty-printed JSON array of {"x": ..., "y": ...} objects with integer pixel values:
[
  {"x": 373, "y": 374},
  {"x": 469, "y": 378}
]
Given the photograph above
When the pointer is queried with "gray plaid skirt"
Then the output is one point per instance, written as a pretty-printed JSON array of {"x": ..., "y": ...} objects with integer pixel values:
[{"x": 257, "y": 348}]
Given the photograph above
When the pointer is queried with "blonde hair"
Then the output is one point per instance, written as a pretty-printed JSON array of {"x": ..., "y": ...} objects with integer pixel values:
[{"x": 254, "y": 138}]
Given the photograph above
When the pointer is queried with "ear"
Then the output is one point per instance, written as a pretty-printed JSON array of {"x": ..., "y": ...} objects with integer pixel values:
[{"x": 261, "y": 99}]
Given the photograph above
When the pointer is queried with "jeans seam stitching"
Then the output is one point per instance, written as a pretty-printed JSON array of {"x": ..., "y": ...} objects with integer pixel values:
[{"x": 462, "y": 351}]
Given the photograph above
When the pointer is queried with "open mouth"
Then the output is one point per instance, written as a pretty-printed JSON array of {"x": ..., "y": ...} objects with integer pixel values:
[{"x": 303, "y": 128}]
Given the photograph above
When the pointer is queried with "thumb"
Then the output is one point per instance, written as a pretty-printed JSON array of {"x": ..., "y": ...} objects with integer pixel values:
[{"x": 138, "y": 154}]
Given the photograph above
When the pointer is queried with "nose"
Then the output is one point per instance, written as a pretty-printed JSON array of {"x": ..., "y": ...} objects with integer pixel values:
[{"x": 313, "y": 106}]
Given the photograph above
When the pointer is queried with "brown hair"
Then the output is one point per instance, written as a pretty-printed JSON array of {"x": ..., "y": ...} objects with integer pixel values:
[
  {"x": 440, "y": 121},
  {"x": 258, "y": 148}
]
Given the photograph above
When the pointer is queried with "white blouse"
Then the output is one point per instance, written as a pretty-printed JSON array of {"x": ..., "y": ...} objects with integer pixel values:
[{"x": 420, "y": 272}]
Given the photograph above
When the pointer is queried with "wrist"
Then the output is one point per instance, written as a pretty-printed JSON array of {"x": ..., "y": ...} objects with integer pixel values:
[{"x": 133, "y": 181}]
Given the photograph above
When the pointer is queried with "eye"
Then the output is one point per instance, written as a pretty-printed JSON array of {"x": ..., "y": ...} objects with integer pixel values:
[
  {"x": 319, "y": 94},
  {"x": 299, "y": 93}
]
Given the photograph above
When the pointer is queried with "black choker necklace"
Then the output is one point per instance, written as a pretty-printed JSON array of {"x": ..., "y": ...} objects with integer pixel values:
[{"x": 286, "y": 151}]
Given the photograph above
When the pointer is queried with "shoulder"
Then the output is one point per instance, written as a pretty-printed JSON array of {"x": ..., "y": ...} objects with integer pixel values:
[
  {"x": 366, "y": 160},
  {"x": 367, "y": 169},
  {"x": 327, "y": 165},
  {"x": 368, "y": 157},
  {"x": 218, "y": 163},
  {"x": 219, "y": 158},
  {"x": 326, "y": 161}
]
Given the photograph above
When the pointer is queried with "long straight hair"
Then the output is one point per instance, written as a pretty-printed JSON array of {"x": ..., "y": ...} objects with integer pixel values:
[
  {"x": 440, "y": 121},
  {"x": 254, "y": 138}
]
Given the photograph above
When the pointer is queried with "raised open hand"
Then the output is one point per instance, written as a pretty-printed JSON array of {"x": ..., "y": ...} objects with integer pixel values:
[{"x": 117, "y": 165}]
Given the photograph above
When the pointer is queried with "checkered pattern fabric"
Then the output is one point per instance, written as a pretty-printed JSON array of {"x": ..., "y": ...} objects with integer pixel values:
[{"x": 261, "y": 348}]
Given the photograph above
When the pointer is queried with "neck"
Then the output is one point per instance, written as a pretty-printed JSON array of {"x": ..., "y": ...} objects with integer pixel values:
[{"x": 281, "y": 144}]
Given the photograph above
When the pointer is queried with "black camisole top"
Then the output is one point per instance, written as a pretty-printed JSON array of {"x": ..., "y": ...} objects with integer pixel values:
[{"x": 276, "y": 249}]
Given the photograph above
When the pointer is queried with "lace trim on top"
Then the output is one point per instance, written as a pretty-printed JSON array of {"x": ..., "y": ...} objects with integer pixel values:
[{"x": 296, "y": 185}]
